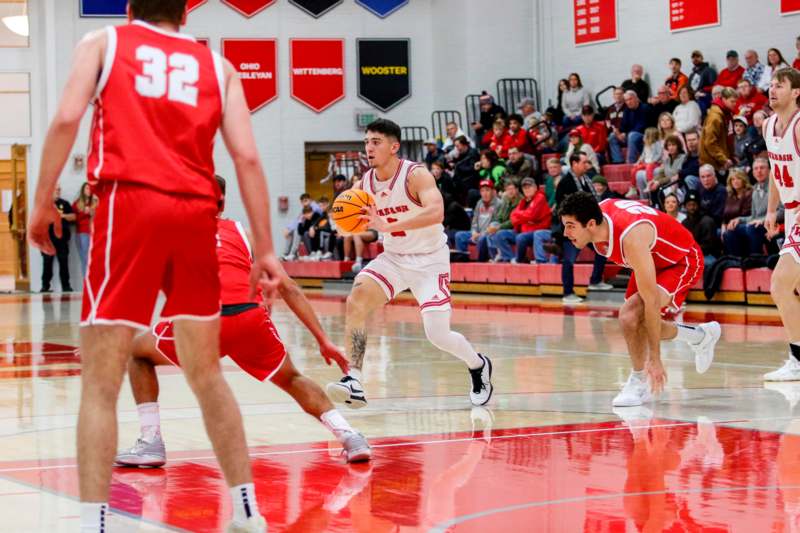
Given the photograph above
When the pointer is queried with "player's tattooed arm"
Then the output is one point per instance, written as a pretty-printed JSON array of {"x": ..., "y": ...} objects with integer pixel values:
[{"x": 359, "y": 339}]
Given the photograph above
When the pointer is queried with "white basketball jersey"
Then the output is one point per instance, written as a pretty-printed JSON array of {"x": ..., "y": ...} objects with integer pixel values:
[
  {"x": 784, "y": 158},
  {"x": 395, "y": 203}
]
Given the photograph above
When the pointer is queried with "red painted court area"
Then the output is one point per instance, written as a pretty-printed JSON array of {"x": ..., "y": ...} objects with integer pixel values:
[{"x": 603, "y": 477}]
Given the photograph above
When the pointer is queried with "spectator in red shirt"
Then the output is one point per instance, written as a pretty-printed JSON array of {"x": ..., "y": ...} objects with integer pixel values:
[
  {"x": 749, "y": 100},
  {"x": 532, "y": 219},
  {"x": 84, "y": 208},
  {"x": 796, "y": 62},
  {"x": 676, "y": 79},
  {"x": 498, "y": 140},
  {"x": 594, "y": 132},
  {"x": 729, "y": 77},
  {"x": 614, "y": 111},
  {"x": 518, "y": 137}
]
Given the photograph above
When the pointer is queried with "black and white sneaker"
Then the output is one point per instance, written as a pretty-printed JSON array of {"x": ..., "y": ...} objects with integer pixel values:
[
  {"x": 348, "y": 391},
  {"x": 482, "y": 388}
]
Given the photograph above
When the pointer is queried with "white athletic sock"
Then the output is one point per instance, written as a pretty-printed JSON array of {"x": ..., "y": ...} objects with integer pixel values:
[
  {"x": 94, "y": 517},
  {"x": 639, "y": 374},
  {"x": 334, "y": 421},
  {"x": 359, "y": 260},
  {"x": 690, "y": 334},
  {"x": 149, "y": 420},
  {"x": 244, "y": 502},
  {"x": 355, "y": 374},
  {"x": 437, "y": 329}
]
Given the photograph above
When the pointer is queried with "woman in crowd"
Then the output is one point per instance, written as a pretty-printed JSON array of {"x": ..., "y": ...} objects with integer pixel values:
[
  {"x": 740, "y": 195},
  {"x": 644, "y": 170},
  {"x": 490, "y": 167},
  {"x": 672, "y": 207},
  {"x": 84, "y": 208},
  {"x": 573, "y": 100},
  {"x": 687, "y": 114},
  {"x": 576, "y": 144}
]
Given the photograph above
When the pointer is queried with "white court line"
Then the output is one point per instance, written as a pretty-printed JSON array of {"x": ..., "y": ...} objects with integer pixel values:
[{"x": 444, "y": 526}]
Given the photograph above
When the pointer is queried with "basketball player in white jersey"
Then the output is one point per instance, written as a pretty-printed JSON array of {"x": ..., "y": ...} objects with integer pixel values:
[
  {"x": 782, "y": 134},
  {"x": 408, "y": 211}
]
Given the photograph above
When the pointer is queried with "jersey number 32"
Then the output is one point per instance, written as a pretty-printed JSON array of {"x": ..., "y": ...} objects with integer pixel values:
[{"x": 177, "y": 83}]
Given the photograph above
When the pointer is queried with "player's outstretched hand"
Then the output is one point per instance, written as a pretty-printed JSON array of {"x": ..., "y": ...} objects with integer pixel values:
[
  {"x": 266, "y": 272},
  {"x": 657, "y": 375},
  {"x": 38, "y": 230},
  {"x": 373, "y": 220},
  {"x": 331, "y": 353},
  {"x": 771, "y": 223}
]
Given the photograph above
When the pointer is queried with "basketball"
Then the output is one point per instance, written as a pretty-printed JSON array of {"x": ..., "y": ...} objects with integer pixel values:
[{"x": 347, "y": 211}]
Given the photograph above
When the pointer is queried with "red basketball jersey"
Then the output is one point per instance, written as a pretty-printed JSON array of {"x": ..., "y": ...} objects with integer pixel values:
[
  {"x": 235, "y": 260},
  {"x": 672, "y": 244},
  {"x": 158, "y": 107}
]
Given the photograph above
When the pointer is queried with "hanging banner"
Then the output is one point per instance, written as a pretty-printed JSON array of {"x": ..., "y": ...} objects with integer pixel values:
[
  {"x": 382, "y": 8},
  {"x": 317, "y": 71},
  {"x": 595, "y": 21},
  {"x": 693, "y": 14},
  {"x": 790, "y": 7},
  {"x": 256, "y": 61},
  {"x": 116, "y": 8},
  {"x": 248, "y": 8},
  {"x": 316, "y": 8},
  {"x": 384, "y": 74}
]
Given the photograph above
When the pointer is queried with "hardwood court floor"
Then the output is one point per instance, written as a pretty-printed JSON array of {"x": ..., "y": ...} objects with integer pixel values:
[{"x": 718, "y": 452}]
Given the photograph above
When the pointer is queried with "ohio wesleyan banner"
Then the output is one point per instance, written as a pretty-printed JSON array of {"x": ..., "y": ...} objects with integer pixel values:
[{"x": 384, "y": 77}]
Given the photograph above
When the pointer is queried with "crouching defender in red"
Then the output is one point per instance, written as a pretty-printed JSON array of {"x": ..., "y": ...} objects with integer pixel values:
[
  {"x": 248, "y": 336},
  {"x": 666, "y": 262}
]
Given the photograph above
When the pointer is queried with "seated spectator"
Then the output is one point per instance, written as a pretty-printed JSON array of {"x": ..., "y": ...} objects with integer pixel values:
[
  {"x": 661, "y": 103},
  {"x": 690, "y": 169},
  {"x": 482, "y": 216},
  {"x": 558, "y": 112},
  {"x": 573, "y": 100},
  {"x": 355, "y": 243},
  {"x": 637, "y": 84},
  {"x": 531, "y": 219},
  {"x": 490, "y": 112},
  {"x": 703, "y": 228},
  {"x": 465, "y": 176},
  {"x": 518, "y": 167},
  {"x": 453, "y": 133},
  {"x": 687, "y": 114},
  {"x": 502, "y": 221},
  {"x": 676, "y": 79},
  {"x": 712, "y": 194},
  {"x": 730, "y": 76},
  {"x": 644, "y": 171},
  {"x": 755, "y": 72},
  {"x": 672, "y": 207},
  {"x": 715, "y": 146},
  {"x": 490, "y": 168},
  {"x": 775, "y": 62},
  {"x": 455, "y": 219},
  {"x": 432, "y": 152},
  {"x": 544, "y": 137},
  {"x": 749, "y": 100},
  {"x": 741, "y": 140},
  {"x": 701, "y": 79},
  {"x": 292, "y": 234},
  {"x": 669, "y": 171},
  {"x": 594, "y": 132},
  {"x": 320, "y": 239},
  {"x": 796, "y": 62},
  {"x": 307, "y": 223},
  {"x": 666, "y": 127},
  {"x": 498, "y": 140},
  {"x": 576, "y": 144},
  {"x": 739, "y": 199},
  {"x": 530, "y": 116},
  {"x": 340, "y": 185},
  {"x": 601, "y": 190},
  {"x": 552, "y": 177},
  {"x": 614, "y": 111},
  {"x": 757, "y": 147},
  {"x": 444, "y": 182},
  {"x": 517, "y": 136},
  {"x": 631, "y": 130},
  {"x": 746, "y": 235}
]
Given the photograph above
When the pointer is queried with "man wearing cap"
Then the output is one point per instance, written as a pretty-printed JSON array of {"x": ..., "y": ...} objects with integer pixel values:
[
  {"x": 701, "y": 80},
  {"x": 490, "y": 112},
  {"x": 501, "y": 220},
  {"x": 532, "y": 220},
  {"x": 637, "y": 84},
  {"x": 481, "y": 218},
  {"x": 432, "y": 152},
  {"x": 730, "y": 76},
  {"x": 749, "y": 100},
  {"x": 703, "y": 228},
  {"x": 527, "y": 108}
]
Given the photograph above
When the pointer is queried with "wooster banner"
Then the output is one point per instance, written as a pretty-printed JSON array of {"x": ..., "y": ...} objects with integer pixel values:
[
  {"x": 256, "y": 61},
  {"x": 316, "y": 8},
  {"x": 384, "y": 71},
  {"x": 248, "y": 8},
  {"x": 317, "y": 71}
]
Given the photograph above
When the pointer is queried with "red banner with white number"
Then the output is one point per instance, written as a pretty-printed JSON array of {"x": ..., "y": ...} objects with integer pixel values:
[
  {"x": 317, "y": 71},
  {"x": 256, "y": 61},
  {"x": 790, "y": 7},
  {"x": 248, "y": 8},
  {"x": 191, "y": 5},
  {"x": 692, "y": 14},
  {"x": 595, "y": 21}
]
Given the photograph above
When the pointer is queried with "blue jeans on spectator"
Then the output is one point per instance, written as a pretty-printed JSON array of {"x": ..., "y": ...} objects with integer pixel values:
[
  {"x": 502, "y": 240},
  {"x": 745, "y": 240},
  {"x": 463, "y": 238},
  {"x": 536, "y": 239},
  {"x": 634, "y": 142},
  {"x": 83, "y": 250},
  {"x": 692, "y": 183},
  {"x": 568, "y": 264}
]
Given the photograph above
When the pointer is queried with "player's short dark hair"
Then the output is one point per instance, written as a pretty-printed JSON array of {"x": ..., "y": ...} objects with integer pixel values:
[
  {"x": 385, "y": 127},
  {"x": 158, "y": 10},
  {"x": 791, "y": 75},
  {"x": 582, "y": 206}
]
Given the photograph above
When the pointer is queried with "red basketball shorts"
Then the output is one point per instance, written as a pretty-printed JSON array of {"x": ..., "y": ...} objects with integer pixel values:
[
  {"x": 676, "y": 280},
  {"x": 249, "y": 338},
  {"x": 144, "y": 242}
]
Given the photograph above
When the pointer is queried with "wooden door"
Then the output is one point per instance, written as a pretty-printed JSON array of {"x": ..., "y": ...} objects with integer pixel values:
[{"x": 13, "y": 198}]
